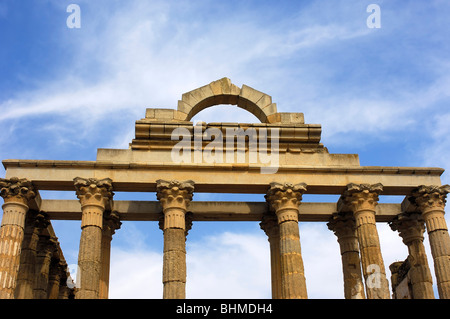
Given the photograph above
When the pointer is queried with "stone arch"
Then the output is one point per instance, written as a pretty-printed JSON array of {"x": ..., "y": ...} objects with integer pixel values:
[{"x": 224, "y": 92}]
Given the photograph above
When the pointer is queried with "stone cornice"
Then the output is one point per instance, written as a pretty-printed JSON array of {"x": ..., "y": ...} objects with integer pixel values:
[
  {"x": 383, "y": 170},
  {"x": 213, "y": 178}
]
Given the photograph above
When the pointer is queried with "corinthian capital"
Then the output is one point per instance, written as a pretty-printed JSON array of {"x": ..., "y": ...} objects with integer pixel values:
[
  {"x": 410, "y": 226},
  {"x": 430, "y": 197},
  {"x": 287, "y": 195},
  {"x": 174, "y": 193},
  {"x": 362, "y": 196},
  {"x": 14, "y": 189},
  {"x": 342, "y": 224},
  {"x": 91, "y": 191},
  {"x": 111, "y": 221},
  {"x": 269, "y": 224}
]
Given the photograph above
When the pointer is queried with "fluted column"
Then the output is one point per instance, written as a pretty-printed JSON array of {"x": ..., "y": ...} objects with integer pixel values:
[
  {"x": 284, "y": 199},
  {"x": 111, "y": 222},
  {"x": 46, "y": 248},
  {"x": 35, "y": 224},
  {"x": 431, "y": 202},
  {"x": 344, "y": 227},
  {"x": 94, "y": 195},
  {"x": 174, "y": 197},
  {"x": 64, "y": 290},
  {"x": 55, "y": 277},
  {"x": 411, "y": 228},
  {"x": 362, "y": 200},
  {"x": 270, "y": 226},
  {"x": 16, "y": 194}
]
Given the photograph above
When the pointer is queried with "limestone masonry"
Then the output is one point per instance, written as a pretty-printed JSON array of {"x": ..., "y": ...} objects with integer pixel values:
[{"x": 32, "y": 264}]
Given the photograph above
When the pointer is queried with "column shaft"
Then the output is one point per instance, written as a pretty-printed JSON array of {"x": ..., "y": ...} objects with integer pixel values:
[
  {"x": 270, "y": 226},
  {"x": 420, "y": 274},
  {"x": 411, "y": 228},
  {"x": 46, "y": 248},
  {"x": 54, "y": 279},
  {"x": 431, "y": 202},
  {"x": 16, "y": 193},
  {"x": 94, "y": 195},
  {"x": 89, "y": 263},
  {"x": 362, "y": 199},
  {"x": 174, "y": 197},
  {"x": 292, "y": 269},
  {"x": 284, "y": 199},
  {"x": 110, "y": 224},
  {"x": 343, "y": 226},
  {"x": 174, "y": 264},
  {"x": 35, "y": 223}
]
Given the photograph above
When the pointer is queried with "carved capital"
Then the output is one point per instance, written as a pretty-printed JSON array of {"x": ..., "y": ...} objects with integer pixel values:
[
  {"x": 285, "y": 196},
  {"x": 111, "y": 222},
  {"x": 37, "y": 220},
  {"x": 174, "y": 197},
  {"x": 410, "y": 226},
  {"x": 429, "y": 198},
  {"x": 16, "y": 190},
  {"x": 94, "y": 192},
  {"x": 342, "y": 224},
  {"x": 189, "y": 217},
  {"x": 269, "y": 224},
  {"x": 174, "y": 194},
  {"x": 362, "y": 196}
]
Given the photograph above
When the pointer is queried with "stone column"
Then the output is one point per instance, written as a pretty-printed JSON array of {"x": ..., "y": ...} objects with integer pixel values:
[
  {"x": 46, "y": 249},
  {"x": 174, "y": 197},
  {"x": 284, "y": 199},
  {"x": 64, "y": 290},
  {"x": 399, "y": 271},
  {"x": 270, "y": 226},
  {"x": 411, "y": 228},
  {"x": 54, "y": 278},
  {"x": 35, "y": 224},
  {"x": 94, "y": 196},
  {"x": 362, "y": 200},
  {"x": 431, "y": 202},
  {"x": 344, "y": 227},
  {"x": 111, "y": 222},
  {"x": 16, "y": 194}
]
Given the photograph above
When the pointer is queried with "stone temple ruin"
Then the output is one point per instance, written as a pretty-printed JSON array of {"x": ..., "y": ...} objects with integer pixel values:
[{"x": 281, "y": 157}]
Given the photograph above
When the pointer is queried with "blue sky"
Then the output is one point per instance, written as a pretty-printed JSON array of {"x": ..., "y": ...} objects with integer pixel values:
[{"x": 381, "y": 93}]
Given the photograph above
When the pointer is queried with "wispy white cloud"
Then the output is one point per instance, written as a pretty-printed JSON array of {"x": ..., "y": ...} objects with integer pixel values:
[
  {"x": 135, "y": 274},
  {"x": 229, "y": 265},
  {"x": 143, "y": 53},
  {"x": 237, "y": 265},
  {"x": 224, "y": 265}
]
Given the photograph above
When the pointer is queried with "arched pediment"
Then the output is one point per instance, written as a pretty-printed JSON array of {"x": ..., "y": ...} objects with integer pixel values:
[{"x": 224, "y": 92}]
